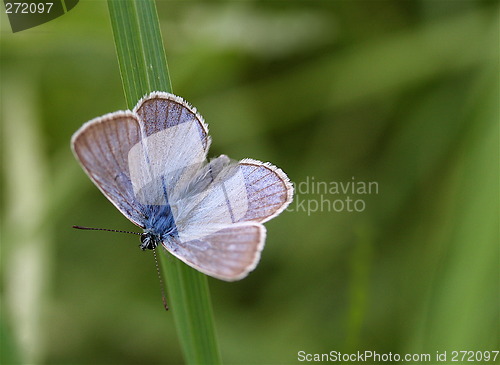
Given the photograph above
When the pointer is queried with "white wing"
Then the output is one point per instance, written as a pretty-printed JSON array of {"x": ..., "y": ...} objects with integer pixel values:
[
  {"x": 174, "y": 146},
  {"x": 218, "y": 216},
  {"x": 101, "y": 146},
  {"x": 139, "y": 158}
]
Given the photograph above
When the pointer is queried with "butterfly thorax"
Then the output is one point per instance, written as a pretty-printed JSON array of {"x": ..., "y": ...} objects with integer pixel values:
[{"x": 159, "y": 225}]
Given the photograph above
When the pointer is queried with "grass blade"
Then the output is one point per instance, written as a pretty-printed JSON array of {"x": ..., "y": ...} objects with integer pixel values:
[{"x": 143, "y": 68}]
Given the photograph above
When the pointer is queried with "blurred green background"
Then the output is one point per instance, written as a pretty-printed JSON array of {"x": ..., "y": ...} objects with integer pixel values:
[{"x": 400, "y": 93}]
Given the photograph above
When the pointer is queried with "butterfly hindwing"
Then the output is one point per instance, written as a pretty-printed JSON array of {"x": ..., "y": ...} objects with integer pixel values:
[
  {"x": 269, "y": 190},
  {"x": 245, "y": 191},
  {"x": 227, "y": 254}
]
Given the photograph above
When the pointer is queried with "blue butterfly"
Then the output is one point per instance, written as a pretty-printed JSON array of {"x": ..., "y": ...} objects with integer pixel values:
[{"x": 151, "y": 163}]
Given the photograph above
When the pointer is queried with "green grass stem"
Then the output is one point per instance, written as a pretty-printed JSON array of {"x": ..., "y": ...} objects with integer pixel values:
[{"x": 143, "y": 68}]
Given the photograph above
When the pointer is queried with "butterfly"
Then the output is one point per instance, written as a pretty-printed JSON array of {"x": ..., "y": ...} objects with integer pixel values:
[{"x": 151, "y": 163}]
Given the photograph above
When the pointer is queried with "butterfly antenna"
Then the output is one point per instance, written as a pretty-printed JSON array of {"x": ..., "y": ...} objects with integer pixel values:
[
  {"x": 162, "y": 288},
  {"x": 104, "y": 229}
]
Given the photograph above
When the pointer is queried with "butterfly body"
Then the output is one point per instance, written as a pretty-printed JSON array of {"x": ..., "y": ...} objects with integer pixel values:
[{"x": 151, "y": 163}]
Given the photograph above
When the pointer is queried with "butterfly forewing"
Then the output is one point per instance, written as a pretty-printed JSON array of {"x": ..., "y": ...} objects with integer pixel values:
[
  {"x": 174, "y": 145},
  {"x": 159, "y": 111},
  {"x": 101, "y": 146}
]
